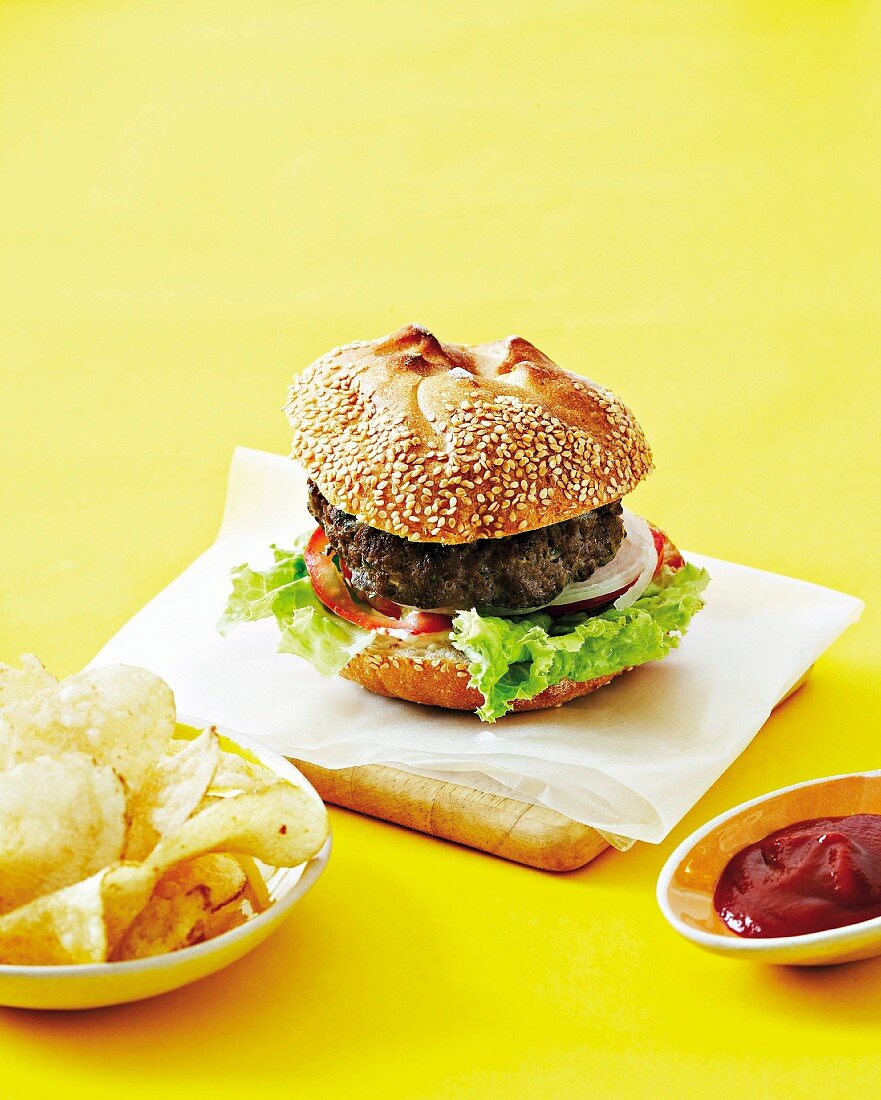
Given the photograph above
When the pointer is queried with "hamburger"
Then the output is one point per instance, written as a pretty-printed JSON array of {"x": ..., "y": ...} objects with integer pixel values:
[{"x": 471, "y": 550}]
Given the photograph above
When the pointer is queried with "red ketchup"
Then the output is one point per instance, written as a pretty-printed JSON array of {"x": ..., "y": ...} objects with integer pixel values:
[{"x": 808, "y": 877}]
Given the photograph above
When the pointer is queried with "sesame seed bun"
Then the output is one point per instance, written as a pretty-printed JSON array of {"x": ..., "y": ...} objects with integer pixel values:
[
  {"x": 441, "y": 679},
  {"x": 450, "y": 443}
]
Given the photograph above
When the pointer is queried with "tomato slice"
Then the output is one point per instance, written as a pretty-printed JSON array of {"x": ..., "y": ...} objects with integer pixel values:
[
  {"x": 334, "y": 593},
  {"x": 667, "y": 553},
  {"x": 384, "y": 606}
]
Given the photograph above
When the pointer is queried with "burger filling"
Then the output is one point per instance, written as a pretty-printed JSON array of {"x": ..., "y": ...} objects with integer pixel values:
[
  {"x": 345, "y": 587},
  {"x": 520, "y": 571}
]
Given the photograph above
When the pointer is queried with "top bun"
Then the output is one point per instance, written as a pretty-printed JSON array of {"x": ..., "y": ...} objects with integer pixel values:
[{"x": 449, "y": 443}]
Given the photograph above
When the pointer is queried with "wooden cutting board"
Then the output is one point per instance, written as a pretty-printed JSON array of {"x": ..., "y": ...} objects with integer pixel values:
[{"x": 520, "y": 831}]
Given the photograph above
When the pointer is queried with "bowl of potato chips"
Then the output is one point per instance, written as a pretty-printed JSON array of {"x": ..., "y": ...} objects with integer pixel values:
[{"x": 137, "y": 854}]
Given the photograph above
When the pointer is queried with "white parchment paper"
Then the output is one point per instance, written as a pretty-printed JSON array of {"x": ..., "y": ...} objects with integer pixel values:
[{"x": 630, "y": 759}]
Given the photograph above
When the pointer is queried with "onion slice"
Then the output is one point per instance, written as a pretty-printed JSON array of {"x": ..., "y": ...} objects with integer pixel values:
[
  {"x": 641, "y": 533},
  {"x": 631, "y": 568}
]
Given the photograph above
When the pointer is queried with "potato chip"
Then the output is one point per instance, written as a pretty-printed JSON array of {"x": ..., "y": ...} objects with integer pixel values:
[
  {"x": 120, "y": 715},
  {"x": 22, "y": 683},
  {"x": 61, "y": 820},
  {"x": 166, "y": 924},
  {"x": 258, "y": 891},
  {"x": 236, "y": 775},
  {"x": 63, "y": 927},
  {"x": 221, "y": 875},
  {"x": 280, "y": 825},
  {"x": 226, "y": 918},
  {"x": 172, "y": 789},
  {"x": 183, "y": 900},
  {"x": 125, "y": 890}
]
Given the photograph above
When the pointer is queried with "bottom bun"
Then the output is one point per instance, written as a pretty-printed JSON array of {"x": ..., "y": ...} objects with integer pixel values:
[{"x": 439, "y": 678}]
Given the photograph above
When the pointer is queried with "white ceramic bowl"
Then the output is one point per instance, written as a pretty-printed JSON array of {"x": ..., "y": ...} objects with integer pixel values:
[
  {"x": 689, "y": 877},
  {"x": 91, "y": 985}
]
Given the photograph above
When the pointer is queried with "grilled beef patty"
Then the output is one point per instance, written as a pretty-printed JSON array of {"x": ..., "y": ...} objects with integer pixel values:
[{"x": 526, "y": 570}]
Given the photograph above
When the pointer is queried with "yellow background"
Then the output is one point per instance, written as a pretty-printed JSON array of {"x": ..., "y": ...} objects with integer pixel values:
[{"x": 680, "y": 199}]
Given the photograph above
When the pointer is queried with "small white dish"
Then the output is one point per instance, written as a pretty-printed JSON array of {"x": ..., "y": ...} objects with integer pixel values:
[
  {"x": 688, "y": 879},
  {"x": 93, "y": 985}
]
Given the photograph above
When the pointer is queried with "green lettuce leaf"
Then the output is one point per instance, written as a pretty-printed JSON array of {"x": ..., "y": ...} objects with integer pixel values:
[
  {"x": 258, "y": 595},
  {"x": 307, "y": 627},
  {"x": 518, "y": 658}
]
